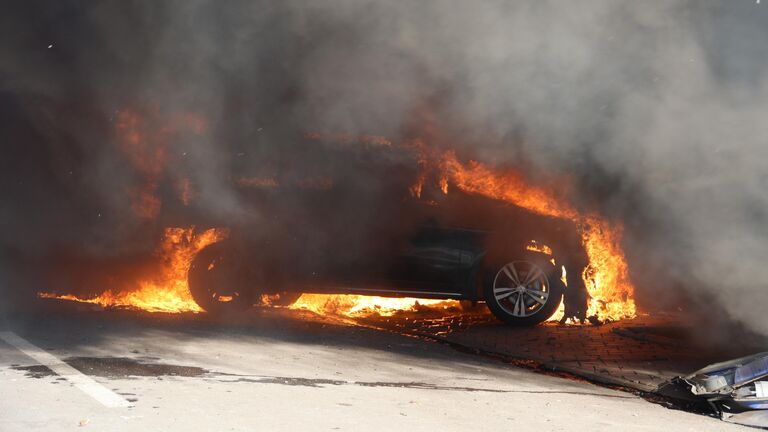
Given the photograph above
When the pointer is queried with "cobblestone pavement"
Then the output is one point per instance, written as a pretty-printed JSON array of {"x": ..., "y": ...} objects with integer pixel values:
[{"x": 640, "y": 353}]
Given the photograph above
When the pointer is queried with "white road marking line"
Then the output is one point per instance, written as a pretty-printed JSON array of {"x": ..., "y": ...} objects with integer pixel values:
[{"x": 90, "y": 387}]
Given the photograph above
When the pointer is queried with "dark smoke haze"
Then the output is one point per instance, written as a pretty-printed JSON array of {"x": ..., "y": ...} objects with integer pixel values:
[{"x": 656, "y": 109}]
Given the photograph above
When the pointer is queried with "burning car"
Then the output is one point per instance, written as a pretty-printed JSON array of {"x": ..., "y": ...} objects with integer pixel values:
[
  {"x": 356, "y": 222},
  {"x": 354, "y": 215}
]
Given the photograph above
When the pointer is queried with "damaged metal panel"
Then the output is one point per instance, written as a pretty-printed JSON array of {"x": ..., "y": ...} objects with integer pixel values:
[{"x": 730, "y": 388}]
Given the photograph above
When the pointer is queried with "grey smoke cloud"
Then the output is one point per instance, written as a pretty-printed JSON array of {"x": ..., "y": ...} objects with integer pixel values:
[{"x": 655, "y": 109}]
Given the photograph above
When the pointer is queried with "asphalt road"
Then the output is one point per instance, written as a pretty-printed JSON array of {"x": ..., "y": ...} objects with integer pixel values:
[{"x": 273, "y": 370}]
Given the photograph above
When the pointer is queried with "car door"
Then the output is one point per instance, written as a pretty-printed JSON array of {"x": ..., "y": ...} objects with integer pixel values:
[{"x": 438, "y": 259}]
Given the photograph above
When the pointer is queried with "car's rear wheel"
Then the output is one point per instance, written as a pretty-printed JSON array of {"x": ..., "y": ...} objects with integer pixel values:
[
  {"x": 217, "y": 280},
  {"x": 523, "y": 292}
]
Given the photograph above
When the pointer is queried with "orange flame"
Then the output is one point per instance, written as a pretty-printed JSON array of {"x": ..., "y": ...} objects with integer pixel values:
[
  {"x": 167, "y": 291},
  {"x": 606, "y": 277},
  {"x": 535, "y": 246},
  {"x": 354, "y": 306},
  {"x": 145, "y": 140}
]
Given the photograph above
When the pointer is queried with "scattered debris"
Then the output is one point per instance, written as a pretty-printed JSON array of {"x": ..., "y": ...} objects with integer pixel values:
[{"x": 731, "y": 388}]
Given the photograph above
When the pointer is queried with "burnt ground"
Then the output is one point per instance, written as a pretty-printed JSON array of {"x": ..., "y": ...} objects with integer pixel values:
[
  {"x": 414, "y": 371},
  {"x": 116, "y": 367}
]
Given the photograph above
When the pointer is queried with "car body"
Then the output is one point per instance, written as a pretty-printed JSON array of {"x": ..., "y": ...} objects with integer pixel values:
[{"x": 368, "y": 233}]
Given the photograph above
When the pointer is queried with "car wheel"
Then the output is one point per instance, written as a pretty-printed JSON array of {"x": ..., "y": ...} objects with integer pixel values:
[
  {"x": 524, "y": 292},
  {"x": 217, "y": 281}
]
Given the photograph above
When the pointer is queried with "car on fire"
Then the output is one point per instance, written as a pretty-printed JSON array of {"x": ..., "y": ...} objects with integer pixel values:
[{"x": 360, "y": 227}]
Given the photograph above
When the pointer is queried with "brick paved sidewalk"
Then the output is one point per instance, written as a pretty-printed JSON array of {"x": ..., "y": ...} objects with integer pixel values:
[{"x": 640, "y": 353}]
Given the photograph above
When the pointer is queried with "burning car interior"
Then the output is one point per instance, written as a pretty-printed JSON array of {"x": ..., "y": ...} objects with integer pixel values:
[{"x": 302, "y": 215}]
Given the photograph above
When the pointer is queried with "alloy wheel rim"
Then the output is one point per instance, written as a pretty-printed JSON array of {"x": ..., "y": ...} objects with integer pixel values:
[{"x": 521, "y": 288}]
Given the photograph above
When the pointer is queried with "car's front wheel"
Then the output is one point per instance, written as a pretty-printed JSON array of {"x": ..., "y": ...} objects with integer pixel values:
[
  {"x": 523, "y": 292},
  {"x": 217, "y": 280}
]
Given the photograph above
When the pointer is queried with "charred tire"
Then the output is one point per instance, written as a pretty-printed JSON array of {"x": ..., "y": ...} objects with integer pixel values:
[
  {"x": 523, "y": 292},
  {"x": 217, "y": 280}
]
